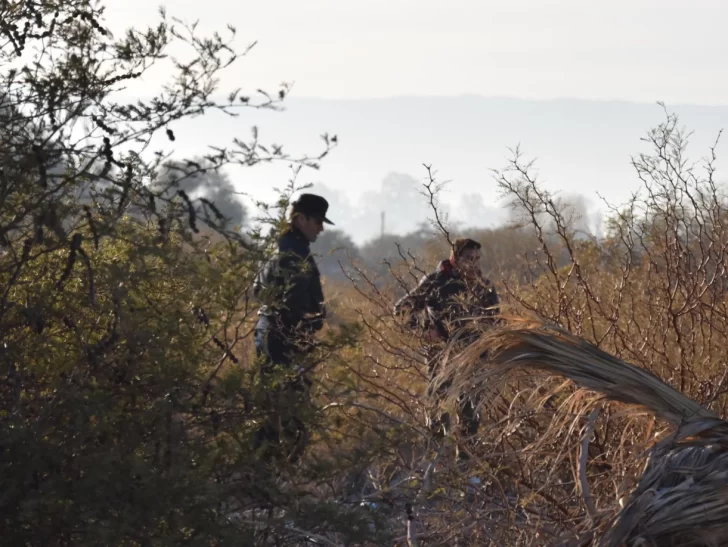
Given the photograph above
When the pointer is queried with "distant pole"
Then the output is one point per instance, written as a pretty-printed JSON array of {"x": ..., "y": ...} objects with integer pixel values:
[{"x": 382, "y": 226}]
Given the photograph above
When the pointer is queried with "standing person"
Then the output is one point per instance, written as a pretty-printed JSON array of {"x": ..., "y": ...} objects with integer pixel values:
[
  {"x": 293, "y": 311},
  {"x": 455, "y": 293}
]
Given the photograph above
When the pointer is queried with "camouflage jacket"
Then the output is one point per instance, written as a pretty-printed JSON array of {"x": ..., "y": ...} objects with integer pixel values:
[{"x": 447, "y": 300}]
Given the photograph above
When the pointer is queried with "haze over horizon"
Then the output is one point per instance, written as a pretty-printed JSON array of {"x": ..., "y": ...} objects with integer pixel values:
[
  {"x": 581, "y": 147},
  {"x": 403, "y": 84}
]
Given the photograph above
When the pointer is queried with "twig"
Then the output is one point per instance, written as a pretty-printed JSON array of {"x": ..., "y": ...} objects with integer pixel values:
[
  {"x": 433, "y": 189},
  {"x": 585, "y": 490},
  {"x": 366, "y": 407},
  {"x": 411, "y": 534},
  {"x": 311, "y": 535}
]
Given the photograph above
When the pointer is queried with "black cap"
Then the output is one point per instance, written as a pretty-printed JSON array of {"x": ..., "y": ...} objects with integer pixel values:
[{"x": 312, "y": 205}]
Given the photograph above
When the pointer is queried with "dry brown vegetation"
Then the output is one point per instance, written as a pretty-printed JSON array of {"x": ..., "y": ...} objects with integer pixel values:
[
  {"x": 129, "y": 396},
  {"x": 558, "y": 459}
]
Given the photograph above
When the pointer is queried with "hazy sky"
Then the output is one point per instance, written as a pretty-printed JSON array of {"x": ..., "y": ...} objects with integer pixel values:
[
  {"x": 342, "y": 55},
  {"x": 673, "y": 50}
]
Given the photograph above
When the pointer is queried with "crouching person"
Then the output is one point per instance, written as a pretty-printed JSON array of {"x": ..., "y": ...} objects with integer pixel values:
[
  {"x": 445, "y": 304},
  {"x": 293, "y": 311}
]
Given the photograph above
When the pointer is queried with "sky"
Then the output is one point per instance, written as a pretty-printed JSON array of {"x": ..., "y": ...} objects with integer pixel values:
[
  {"x": 454, "y": 84},
  {"x": 623, "y": 49}
]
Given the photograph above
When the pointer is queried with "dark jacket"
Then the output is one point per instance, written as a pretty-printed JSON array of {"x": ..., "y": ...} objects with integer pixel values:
[
  {"x": 289, "y": 287},
  {"x": 445, "y": 298}
]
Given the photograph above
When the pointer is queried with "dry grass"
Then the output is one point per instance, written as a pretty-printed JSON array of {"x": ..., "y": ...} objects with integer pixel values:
[
  {"x": 603, "y": 427},
  {"x": 682, "y": 496},
  {"x": 553, "y": 349}
]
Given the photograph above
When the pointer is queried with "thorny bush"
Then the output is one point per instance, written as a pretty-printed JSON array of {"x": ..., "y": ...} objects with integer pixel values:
[
  {"x": 129, "y": 393},
  {"x": 555, "y": 460},
  {"x": 129, "y": 396}
]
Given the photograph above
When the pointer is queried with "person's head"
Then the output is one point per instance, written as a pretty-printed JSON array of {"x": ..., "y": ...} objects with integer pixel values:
[
  {"x": 465, "y": 256},
  {"x": 308, "y": 215}
]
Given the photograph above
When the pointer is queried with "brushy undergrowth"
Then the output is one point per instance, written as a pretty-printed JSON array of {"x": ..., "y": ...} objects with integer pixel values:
[{"x": 129, "y": 392}]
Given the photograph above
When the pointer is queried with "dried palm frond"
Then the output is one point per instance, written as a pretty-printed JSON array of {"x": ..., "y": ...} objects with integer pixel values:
[{"x": 682, "y": 497}]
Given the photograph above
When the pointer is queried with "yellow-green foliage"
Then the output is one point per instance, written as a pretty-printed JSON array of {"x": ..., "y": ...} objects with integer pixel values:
[{"x": 105, "y": 424}]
